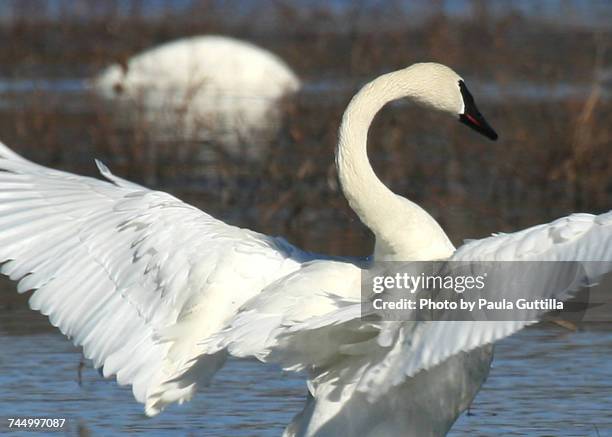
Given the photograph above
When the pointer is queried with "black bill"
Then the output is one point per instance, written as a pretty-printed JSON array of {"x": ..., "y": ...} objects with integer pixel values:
[{"x": 471, "y": 115}]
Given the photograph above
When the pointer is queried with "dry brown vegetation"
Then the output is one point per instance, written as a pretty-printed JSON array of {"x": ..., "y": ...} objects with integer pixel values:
[{"x": 553, "y": 157}]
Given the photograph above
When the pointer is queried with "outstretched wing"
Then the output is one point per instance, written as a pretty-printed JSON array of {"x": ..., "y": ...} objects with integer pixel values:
[
  {"x": 333, "y": 343},
  {"x": 584, "y": 238},
  {"x": 135, "y": 276}
]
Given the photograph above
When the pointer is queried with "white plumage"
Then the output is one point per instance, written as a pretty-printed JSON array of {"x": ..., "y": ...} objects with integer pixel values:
[
  {"x": 203, "y": 87},
  {"x": 159, "y": 292},
  {"x": 126, "y": 272},
  {"x": 351, "y": 361}
]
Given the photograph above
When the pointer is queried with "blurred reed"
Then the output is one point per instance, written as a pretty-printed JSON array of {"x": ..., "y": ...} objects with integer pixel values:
[{"x": 554, "y": 154}]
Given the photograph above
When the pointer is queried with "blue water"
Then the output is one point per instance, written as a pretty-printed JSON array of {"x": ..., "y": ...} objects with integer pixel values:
[{"x": 544, "y": 381}]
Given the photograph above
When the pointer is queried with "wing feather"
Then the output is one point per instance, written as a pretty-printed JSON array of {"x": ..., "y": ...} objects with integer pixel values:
[
  {"x": 579, "y": 237},
  {"x": 311, "y": 320},
  {"x": 134, "y": 276}
]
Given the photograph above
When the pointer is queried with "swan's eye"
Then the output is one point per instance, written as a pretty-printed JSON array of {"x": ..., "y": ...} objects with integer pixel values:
[{"x": 471, "y": 116}]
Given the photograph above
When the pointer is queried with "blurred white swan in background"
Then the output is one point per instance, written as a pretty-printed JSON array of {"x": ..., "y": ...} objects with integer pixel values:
[
  {"x": 158, "y": 292},
  {"x": 203, "y": 88}
]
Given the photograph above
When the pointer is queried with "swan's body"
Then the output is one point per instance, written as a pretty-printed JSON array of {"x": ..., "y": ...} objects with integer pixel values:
[
  {"x": 159, "y": 292},
  {"x": 205, "y": 87}
]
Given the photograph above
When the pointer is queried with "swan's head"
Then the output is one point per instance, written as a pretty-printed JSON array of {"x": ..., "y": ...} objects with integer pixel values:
[{"x": 436, "y": 85}]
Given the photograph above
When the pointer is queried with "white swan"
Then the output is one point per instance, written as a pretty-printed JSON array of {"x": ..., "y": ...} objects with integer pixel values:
[
  {"x": 204, "y": 87},
  {"x": 158, "y": 292}
]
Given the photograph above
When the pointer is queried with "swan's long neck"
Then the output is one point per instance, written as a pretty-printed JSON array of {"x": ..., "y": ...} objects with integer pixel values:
[{"x": 403, "y": 230}]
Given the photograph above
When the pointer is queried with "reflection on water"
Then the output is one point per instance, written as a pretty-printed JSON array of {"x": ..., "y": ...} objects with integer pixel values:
[{"x": 544, "y": 381}]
